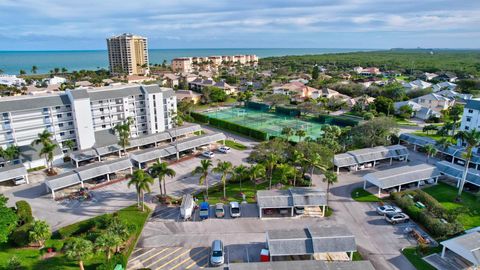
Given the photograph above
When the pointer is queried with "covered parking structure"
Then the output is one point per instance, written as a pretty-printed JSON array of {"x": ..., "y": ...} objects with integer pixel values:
[
  {"x": 304, "y": 265},
  {"x": 310, "y": 242},
  {"x": 454, "y": 153},
  {"x": 107, "y": 143},
  {"x": 354, "y": 159},
  {"x": 466, "y": 246},
  {"x": 456, "y": 171},
  {"x": 10, "y": 172},
  {"x": 396, "y": 177},
  {"x": 286, "y": 200},
  {"x": 175, "y": 148},
  {"x": 79, "y": 175}
]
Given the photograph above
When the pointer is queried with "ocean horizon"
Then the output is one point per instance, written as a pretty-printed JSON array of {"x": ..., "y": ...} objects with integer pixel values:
[{"x": 11, "y": 62}]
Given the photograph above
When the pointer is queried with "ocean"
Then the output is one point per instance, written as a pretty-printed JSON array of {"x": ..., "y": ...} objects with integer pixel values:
[{"x": 11, "y": 62}]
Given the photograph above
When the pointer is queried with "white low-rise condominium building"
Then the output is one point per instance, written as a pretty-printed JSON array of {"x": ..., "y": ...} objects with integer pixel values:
[{"x": 83, "y": 115}]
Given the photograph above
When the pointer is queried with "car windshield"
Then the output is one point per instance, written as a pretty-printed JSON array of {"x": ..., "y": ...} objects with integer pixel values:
[
  {"x": 217, "y": 253},
  {"x": 235, "y": 210},
  {"x": 219, "y": 210},
  {"x": 203, "y": 211}
]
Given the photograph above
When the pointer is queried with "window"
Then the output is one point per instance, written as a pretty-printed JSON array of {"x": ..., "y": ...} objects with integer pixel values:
[
  {"x": 71, "y": 132},
  {"x": 467, "y": 127},
  {"x": 5, "y": 114},
  {"x": 45, "y": 109},
  {"x": 60, "y": 125},
  {"x": 62, "y": 133},
  {"x": 58, "y": 107},
  {"x": 101, "y": 109},
  {"x": 69, "y": 114},
  {"x": 102, "y": 118},
  {"x": 59, "y": 116},
  {"x": 469, "y": 118},
  {"x": 104, "y": 126},
  {"x": 70, "y": 123},
  {"x": 470, "y": 111}
]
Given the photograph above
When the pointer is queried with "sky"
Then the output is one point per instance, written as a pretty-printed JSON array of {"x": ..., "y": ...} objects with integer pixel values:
[{"x": 85, "y": 24}]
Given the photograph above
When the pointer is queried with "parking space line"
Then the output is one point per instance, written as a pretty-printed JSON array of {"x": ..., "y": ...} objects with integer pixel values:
[
  {"x": 136, "y": 251},
  {"x": 199, "y": 260},
  {"x": 157, "y": 253},
  {"x": 143, "y": 254},
  {"x": 187, "y": 259},
  {"x": 181, "y": 254},
  {"x": 148, "y": 266}
]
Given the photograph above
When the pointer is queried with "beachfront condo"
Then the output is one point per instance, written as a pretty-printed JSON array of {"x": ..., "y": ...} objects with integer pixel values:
[{"x": 128, "y": 55}]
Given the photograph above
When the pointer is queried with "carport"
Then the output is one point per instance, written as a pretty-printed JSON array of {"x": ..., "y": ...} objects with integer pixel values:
[
  {"x": 310, "y": 242},
  {"x": 289, "y": 199},
  {"x": 304, "y": 265},
  {"x": 151, "y": 154},
  {"x": 397, "y": 177},
  {"x": 10, "y": 172},
  {"x": 84, "y": 155},
  {"x": 85, "y": 173},
  {"x": 466, "y": 246},
  {"x": 456, "y": 171},
  {"x": 354, "y": 159},
  {"x": 416, "y": 141}
]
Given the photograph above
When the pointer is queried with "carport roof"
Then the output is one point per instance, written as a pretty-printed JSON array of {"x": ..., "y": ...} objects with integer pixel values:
[
  {"x": 63, "y": 180},
  {"x": 304, "y": 265},
  {"x": 274, "y": 199},
  {"x": 417, "y": 140},
  {"x": 364, "y": 155},
  {"x": 185, "y": 129},
  {"x": 306, "y": 241},
  {"x": 467, "y": 246},
  {"x": 82, "y": 155},
  {"x": 198, "y": 141},
  {"x": 12, "y": 171},
  {"x": 153, "y": 153},
  {"x": 402, "y": 175},
  {"x": 308, "y": 196},
  {"x": 456, "y": 171}
]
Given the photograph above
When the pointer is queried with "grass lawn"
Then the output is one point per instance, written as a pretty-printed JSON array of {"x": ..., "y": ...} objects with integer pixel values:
[
  {"x": 361, "y": 195},
  {"x": 415, "y": 257},
  {"x": 446, "y": 195},
  {"x": 404, "y": 122},
  {"x": 432, "y": 135},
  {"x": 357, "y": 256},
  {"x": 235, "y": 145},
  {"x": 215, "y": 194},
  {"x": 30, "y": 257}
]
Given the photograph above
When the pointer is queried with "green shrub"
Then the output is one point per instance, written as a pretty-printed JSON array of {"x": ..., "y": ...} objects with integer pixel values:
[
  {"x": 200, "y": 117},
  {"x": 291, "y": 111},
  {"x": 57, "y": 245},
  {"x": 341, "y": 121},
  {"x": 76, "y": 229},
  {"x": 20, "y": 236},
  {"x": 39, "y": 168},
  {"x": 24, "y": 212}
]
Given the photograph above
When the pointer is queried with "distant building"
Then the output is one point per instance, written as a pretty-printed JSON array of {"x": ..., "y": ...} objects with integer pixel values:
[
  {"x": 435, "y": 102},
  {"x": 471, "y": 115},
  {"x": 416, "y": 85},
  {"x": 198, "y": 84},
  {"x": 188, "y": 95},
  {"x": 11, "y": 80},
  {"x": 55, "y": 80},
  {"x": 128, "y": 54},
  {"x": 188, "y": 64},
  {"x": 367, "y": 71},
  {"x": 444, "y": 86}
]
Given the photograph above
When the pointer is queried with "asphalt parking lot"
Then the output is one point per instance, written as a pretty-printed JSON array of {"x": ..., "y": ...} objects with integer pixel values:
[{"x": 173, "y": 213}]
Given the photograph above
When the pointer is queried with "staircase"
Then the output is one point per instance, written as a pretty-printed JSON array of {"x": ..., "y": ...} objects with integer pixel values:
[{"x": 315, "y": 211}]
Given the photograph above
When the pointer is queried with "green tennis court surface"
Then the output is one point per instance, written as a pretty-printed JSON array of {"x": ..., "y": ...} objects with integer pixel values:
[{"x": 271, "y": 123}]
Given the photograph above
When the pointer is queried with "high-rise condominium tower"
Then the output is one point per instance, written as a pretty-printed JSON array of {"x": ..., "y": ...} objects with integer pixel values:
[{"x": 128, "y": 54}]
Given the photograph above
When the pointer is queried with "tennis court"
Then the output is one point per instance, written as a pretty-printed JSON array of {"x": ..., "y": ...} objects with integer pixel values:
[{"x": 271, "y": 123}]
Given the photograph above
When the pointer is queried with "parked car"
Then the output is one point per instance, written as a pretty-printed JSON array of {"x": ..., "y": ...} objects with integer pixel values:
[
  {"x": 385, "y": 209},
  {"x": 208, "y": 154},
  {"x": 204, "y": 210},
  {"x": 219, "y": 210},
  {"x": 217, "y": 254},
  {"x": 19, "y": 181},
  {"x": 299, "y": 210},
  {"x": 395, "y": 218},
  {"x": 224, "y": 149},
  {"x": 235, "y": 209}
]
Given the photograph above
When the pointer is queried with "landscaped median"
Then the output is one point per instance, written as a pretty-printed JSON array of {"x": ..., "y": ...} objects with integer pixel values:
[
  {"x": 128, "y": 222},
  {"x": 361, "y": 195},
  {"x": 415, "y": 255}
]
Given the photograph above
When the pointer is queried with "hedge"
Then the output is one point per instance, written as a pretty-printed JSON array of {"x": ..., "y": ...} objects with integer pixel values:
[
  {"x": 342, "y": 121},
  {"x": 21, "y": 235},
  {"x": 430, "y": 217},
  {"x": 258, "y": 106},
  {"x": 24, "y": 212},
  {"x": 200, "y": 117},
  {"x": 76, "y": 229}
]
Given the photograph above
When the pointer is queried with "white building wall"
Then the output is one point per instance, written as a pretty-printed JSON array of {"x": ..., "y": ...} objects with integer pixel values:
[{"x": 83, "y": 121}]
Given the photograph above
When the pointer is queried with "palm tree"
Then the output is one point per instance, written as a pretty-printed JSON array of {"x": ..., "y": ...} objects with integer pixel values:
[
  {"x": 47, "y": 151},
  {"x": 270, "y": 162},
  {"x": 315, "y": 162},
  {"x": 78, "y": 249},
  {"x": 330, "y": 178},
  {"x": 142, "y": 181},
  {"x": 64, "y": 70},
  {"x": 70, "y": 145},
  {"x": 285, "y": 171},
  {"x": 296, "y": 160},
  {"x": 205, "y": 165},
  {"x": 22, "y": 72},
  {"x": 225, "y": 168},
  {"x": 444, "y": 143},
  {"x": 10, "y": 153},
  {"x": 43, "y": 138},
  {"x": 255, "y": 171},
  {"x": 39, "y": 232},
  {"x": 239, "y": 173},
  {"x": 472, "y": 139},
  {"x": 121, "y": 229},
  {"x": 123, "y": 132},
  {"x": 34, "y": 69},
  {"x": 430, "y": 150},
  {"x": 106, "y": 242},
  {"x": 300, "y": 133},
  {"x": 160, "y": 170},
  {"x": 288, "y": 132}
]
